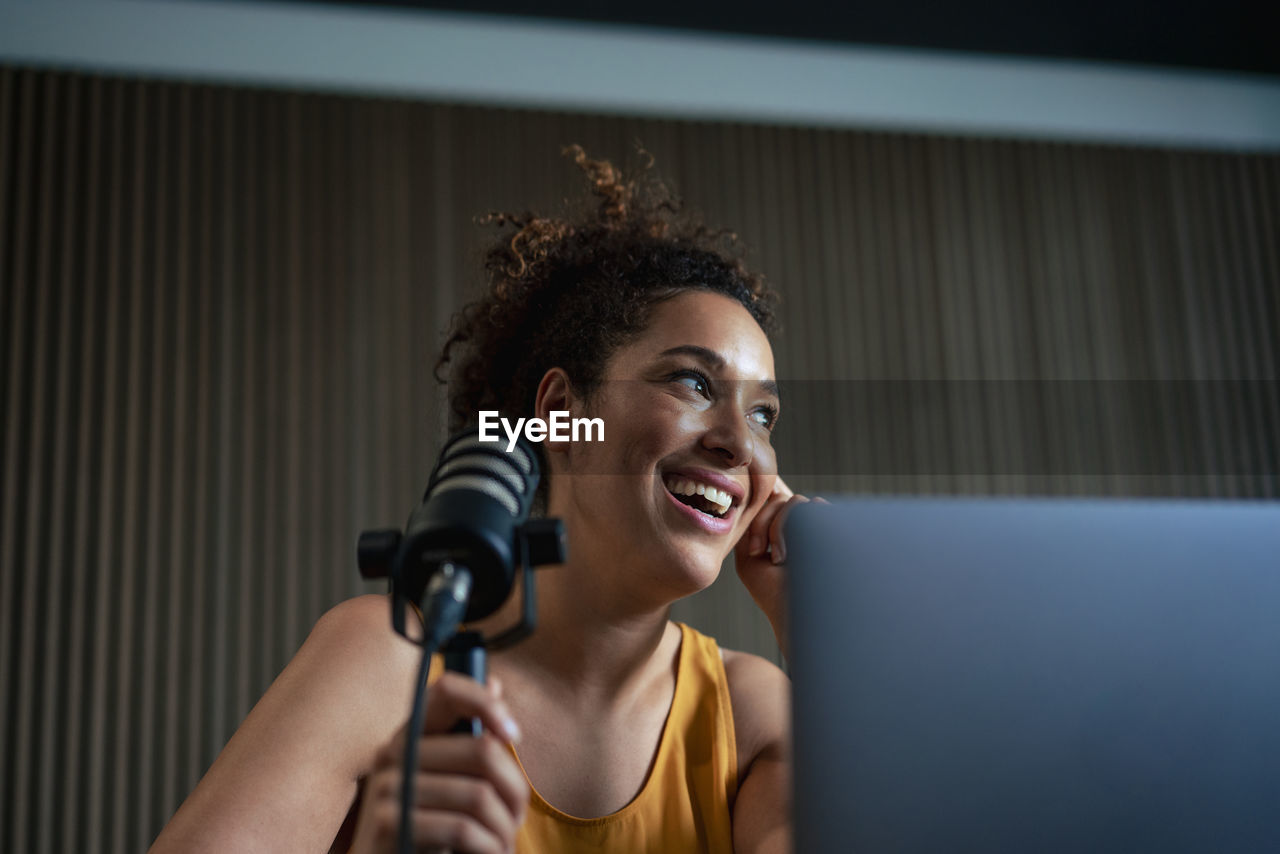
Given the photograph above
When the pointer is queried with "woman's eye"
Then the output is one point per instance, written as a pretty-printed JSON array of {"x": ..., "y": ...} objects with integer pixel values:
[
  {"x": 697, "y": 382},
  {"x": 766, "y": 417}
]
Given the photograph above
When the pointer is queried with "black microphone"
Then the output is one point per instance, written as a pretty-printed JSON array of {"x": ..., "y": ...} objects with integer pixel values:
[
  {"x": 477, "y": 499},
  {"x": 466, "y": 532}
]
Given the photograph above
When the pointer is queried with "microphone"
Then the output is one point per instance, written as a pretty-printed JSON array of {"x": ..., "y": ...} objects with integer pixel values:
[
  {"x": 476, "y": 499},
  {"x": 460, "y": 549},
  {"x": 469, "y": 534}
]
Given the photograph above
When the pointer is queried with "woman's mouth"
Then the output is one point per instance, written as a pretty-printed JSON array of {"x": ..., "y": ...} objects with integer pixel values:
[
  {"x": 700, "y": 496},
  {"x": 711, "y": 508}
]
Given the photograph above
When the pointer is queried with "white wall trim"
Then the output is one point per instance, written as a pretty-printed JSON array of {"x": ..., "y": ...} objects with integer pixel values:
[{"x": 634, "y": 71}]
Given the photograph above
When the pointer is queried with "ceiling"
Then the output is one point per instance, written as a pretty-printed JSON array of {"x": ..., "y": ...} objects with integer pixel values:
[{"x": 1231, "y": 35}]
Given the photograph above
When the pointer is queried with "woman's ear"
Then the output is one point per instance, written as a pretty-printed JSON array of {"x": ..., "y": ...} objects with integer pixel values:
[{"x": 555, "y": 394}]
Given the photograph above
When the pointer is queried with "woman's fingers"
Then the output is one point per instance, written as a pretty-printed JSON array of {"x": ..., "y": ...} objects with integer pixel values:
[
  {"x": 454, "y": 696},
  {"x": 430, "y": 830},
  {"x": 758, "y": 530},
  {"x": 481, "y": 758},
  {"x": 469, "y": 796},
  {"x": 766, "y": 528},
  {"x": 471, "y": 799},
  {"x": 451, "y": 831},
  {"x": 777, "y": 543},
  {"x": 469, "y": 793},
  {"x": 485, "y": 759}
]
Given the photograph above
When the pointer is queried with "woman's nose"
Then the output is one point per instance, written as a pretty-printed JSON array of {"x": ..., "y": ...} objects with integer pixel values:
[{"x": 728, "y": 436}]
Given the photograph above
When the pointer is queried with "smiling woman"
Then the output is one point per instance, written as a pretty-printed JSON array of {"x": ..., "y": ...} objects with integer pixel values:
[
  {"x": 693, "y": 401},
  {"x": 611, "y": 727}
]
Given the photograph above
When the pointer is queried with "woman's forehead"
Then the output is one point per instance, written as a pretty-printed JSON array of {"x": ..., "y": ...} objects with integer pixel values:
[{"x": 707, "y": 327}]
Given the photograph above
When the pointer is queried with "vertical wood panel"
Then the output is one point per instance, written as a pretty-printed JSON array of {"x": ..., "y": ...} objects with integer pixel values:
[
  {"x": 84, "y": 562},
  {"x": 221, "y": 307},
  {"x": 60, "y": 223},
  {"x": 35, "y": 648},
  {"x": 12, "y": 106},
  {"x": 176, "y": 566},
  {"x": 224, "y": 503},
  {"x": 154, "y": 296}
]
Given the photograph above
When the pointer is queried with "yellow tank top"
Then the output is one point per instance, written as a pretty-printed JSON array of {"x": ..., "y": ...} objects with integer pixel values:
[{"x": 684, "y": 804}]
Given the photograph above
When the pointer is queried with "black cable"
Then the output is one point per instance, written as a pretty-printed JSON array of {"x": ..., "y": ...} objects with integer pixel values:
[
  {"x": 446, "y": 602},
  {"x": 411, "y": 750}
]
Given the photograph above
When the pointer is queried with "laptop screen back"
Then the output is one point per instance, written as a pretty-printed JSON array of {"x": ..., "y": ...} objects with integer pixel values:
[{"x": 1038, "y": 675}]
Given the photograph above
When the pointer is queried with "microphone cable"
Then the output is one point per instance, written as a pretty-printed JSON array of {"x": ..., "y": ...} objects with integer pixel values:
[{"x": 445, "y": 606}]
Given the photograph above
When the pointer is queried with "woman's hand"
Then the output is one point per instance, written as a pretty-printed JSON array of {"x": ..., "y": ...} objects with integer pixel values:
[
  {"x": 469, "y": 793},
  {"x": 760, "y": 557}
]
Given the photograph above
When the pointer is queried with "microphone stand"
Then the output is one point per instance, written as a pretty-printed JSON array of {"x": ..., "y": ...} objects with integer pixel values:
[
  {"x": 541, "y": 541},
  {"x": 538, "y": 542},
  {"x": 465, "y": 653}
]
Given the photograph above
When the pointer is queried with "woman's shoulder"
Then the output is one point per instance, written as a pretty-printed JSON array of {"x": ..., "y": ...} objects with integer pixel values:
[
  {"x": 288, "y": 775},
  {"x": 755, "y": 679},
  {"x": 364, "y": 619},
  {"x": 347, "y": 688},
  {"x": 354, "y": 640},
  {"x": 761, "y": 697},
  {"x": 349, "y": 675},
  {"x": 354, "y": 651}
]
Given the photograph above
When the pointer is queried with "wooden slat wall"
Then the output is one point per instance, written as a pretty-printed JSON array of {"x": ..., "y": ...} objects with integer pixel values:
[{"x": 220, "y": 308}]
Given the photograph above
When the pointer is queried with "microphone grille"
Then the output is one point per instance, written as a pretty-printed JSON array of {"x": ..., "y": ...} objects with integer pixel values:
[
  {"x": 510, "y": 477},
  {"x": 479, "y": 483}
]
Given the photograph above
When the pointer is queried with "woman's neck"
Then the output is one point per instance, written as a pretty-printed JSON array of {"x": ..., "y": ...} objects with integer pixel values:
[{"x": 587, "y": 639}]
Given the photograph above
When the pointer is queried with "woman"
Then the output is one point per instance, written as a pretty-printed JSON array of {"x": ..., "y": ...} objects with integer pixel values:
[{"x": 611, "y": 726}]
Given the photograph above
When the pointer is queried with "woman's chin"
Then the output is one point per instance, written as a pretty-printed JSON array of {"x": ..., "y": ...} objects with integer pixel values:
[{"x": 694, "y": 570}]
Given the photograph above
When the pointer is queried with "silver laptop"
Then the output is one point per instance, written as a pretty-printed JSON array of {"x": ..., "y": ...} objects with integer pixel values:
[{"x": 1036, "y": 675}]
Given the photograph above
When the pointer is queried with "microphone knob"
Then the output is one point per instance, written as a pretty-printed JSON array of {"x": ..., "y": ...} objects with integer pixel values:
[
  {"x": 375, "y": 552},
  {"x": 545, "y": 538}
]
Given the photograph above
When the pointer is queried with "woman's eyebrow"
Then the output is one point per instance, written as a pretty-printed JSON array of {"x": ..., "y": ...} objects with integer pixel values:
[
  {"x": 716, "y": 361},
  {"x": 706, "y": 354}
]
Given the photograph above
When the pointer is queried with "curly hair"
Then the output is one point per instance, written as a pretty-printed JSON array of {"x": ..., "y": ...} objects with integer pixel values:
[{"x": 568, "y": 292}]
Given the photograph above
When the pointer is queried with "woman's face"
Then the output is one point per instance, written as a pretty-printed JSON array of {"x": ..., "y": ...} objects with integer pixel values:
[{"x": 687, "y": 406}]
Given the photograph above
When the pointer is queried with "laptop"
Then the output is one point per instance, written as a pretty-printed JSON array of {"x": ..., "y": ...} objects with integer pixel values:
[{"x": 1035, "y": 675}]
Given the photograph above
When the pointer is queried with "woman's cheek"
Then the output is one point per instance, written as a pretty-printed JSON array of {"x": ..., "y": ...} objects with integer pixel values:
[
  {"x": 767, "y": 465},
  {"x": 762, "y": 490}
]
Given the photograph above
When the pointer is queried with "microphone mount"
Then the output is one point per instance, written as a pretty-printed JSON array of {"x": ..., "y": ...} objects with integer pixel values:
[{"x": 386, "y": 553}]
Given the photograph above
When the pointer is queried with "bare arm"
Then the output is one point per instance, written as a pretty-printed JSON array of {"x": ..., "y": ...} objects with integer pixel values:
[
  {"x": 287, "y": 778},
  {"x": 760, "y": 694}
]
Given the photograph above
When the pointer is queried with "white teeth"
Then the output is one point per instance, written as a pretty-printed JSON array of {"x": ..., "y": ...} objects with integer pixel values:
[{"x": 716, "y": 496}]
